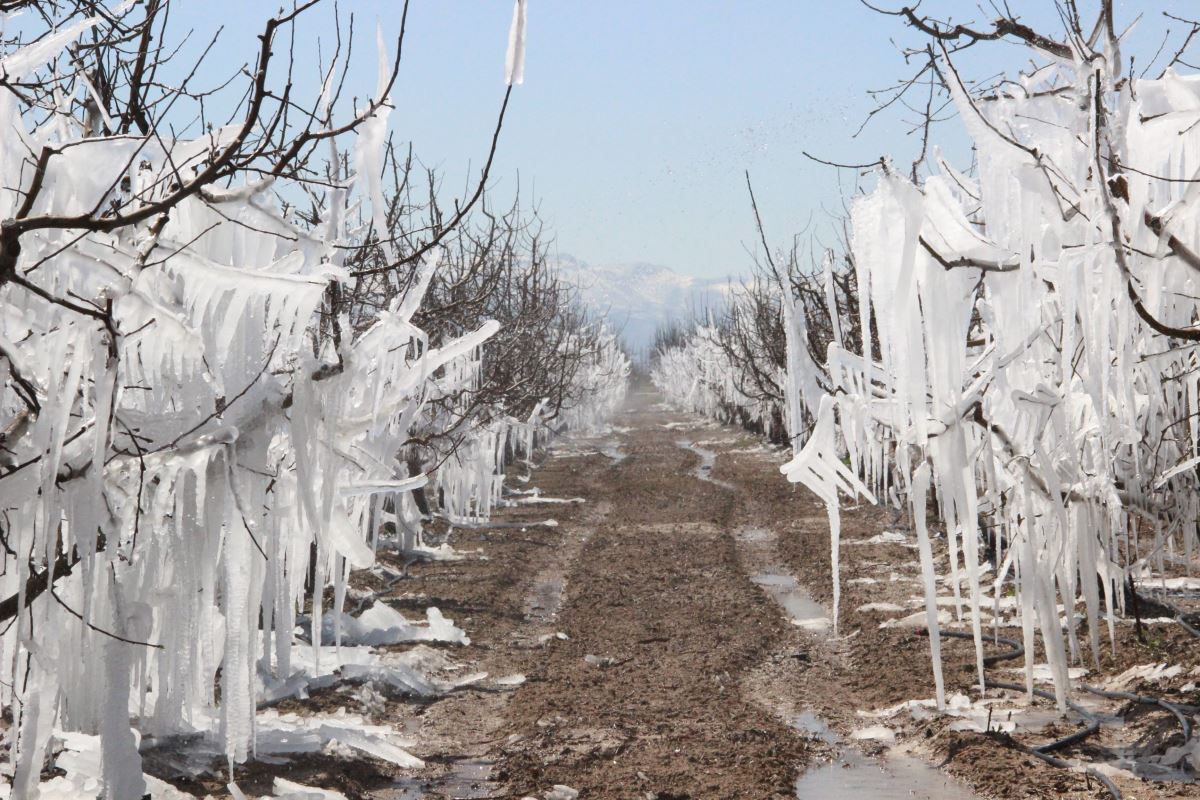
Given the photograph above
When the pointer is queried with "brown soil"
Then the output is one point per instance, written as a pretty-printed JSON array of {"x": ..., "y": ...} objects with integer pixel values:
[{"x": 656, "y": 669}]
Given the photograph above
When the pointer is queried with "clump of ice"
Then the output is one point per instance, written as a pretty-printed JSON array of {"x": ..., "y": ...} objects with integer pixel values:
[{"x": 383, "y": 625}]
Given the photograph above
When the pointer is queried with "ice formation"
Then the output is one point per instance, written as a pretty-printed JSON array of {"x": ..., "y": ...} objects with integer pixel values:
[
  {"x": 1020, "y": 370},
  {"x": 178, "y": 485},
  {"x": 1030, "y": 365},
  {"x": 699, "y": 376}
]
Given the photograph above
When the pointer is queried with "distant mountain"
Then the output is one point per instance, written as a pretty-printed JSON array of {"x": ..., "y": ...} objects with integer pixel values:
[{"x": 638, "y": 298}]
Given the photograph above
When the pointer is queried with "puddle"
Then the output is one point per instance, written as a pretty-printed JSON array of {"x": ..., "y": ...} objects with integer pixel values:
[
  {"x": 464, "y": 779},
  {"x": 801, "y": 609},
  {"x": 545, "y": 598},
  {"x": 854, "y": 776},
  {"x": 809, "y": 723},
  {"x": 708, "y": 459},
  {"x": 761, "y": 561}
]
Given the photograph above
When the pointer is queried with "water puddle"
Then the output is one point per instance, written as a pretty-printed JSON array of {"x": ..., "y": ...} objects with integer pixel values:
[
  {"x": 809, "y": 723},
  {"x": 546, "y": 595},
  {"x": 708, "y": 460},
  {"x": 545, "y": 598},
  {"x": 463, "y": 779},
  {"x": 851, "y": 775},
  {"x": 854, "y": 776},
  {"x": 760, "y": 559},
  {"x": 802, "y": 610}
]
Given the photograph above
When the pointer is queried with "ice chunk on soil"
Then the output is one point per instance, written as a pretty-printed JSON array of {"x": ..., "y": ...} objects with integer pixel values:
[
  {"x": 601, "y": 661},
  {"x": 1043, "y": 672},
  {"x": 418, "y": 671},
  {"x": 1146, "y": 672},
  {"x": 281, "y": 734},
  {"x": 287, "y": 790},
  {"x": 875, "y": 733},
  {"x": 888, "y": 607},
  {"x": 80, "y": 760},
  {"x": 383, "y": 625},
  {"x": 371, "y": 745},
  {"x": 516, "y": 679},
  {"x": 887, "y": 537},
  {"x": 917, "y": 620}
]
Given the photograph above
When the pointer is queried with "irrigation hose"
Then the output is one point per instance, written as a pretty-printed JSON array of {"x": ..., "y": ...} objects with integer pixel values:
[{"x": 1044, "y": 751}]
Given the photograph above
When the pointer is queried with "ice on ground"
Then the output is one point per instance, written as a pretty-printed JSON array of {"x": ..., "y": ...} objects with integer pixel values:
[
  {"x": 1003, "y": 714},
  {"x": 80, "y": 761},
  {"x": 420, "y": 671},
  {"x": 917, "y": 620},
  {"x": 283, "y": 789},
  {"x": 599, "y": 661},
  {"x": 540, "y": 500},
  {"x": 886, "y": 537},
  {"x": 1154, "y": 673},
  {"x": 417, "y": 672},
  {"x": 875, "y": 733},
  {"x": 281, "y": 734},
  {"x": 1174, "y": 584},
  {"x": 516, "y": 679},
  {"x": 383, "y": 625},
  {"x": 442, "y": 552},
  {"x": 802, "y": 610},
  {"x": 889, "y": 607},
  {"x": 1045, "y": 673}
]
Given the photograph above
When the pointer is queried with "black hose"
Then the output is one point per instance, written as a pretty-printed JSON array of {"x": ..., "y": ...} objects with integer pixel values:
[
  {"x": 1147, "y": 700},
  {"x": 1043, "y": 751},
  {"x": 1179, "y": 615},
  {"x": 1017, "y": 650},
  {"x": 1093, "y": 723}
]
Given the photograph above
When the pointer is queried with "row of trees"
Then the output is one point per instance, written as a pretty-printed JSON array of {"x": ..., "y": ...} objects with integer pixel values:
[
  {"x": 732, "y": 363},
  {"x": 1015, "y": 342},
  {"x": 227, "y": 347}
]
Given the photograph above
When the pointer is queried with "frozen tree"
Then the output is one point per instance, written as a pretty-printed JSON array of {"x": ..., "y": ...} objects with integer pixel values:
[
  {"x": 1033, "y": 322},
  {"x": 206, "y": 398}
]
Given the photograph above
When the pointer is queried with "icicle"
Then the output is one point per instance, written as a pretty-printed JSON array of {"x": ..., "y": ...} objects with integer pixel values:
[
  {"x": 514, "y": 61},
  {"x": 918, "y": 500}
]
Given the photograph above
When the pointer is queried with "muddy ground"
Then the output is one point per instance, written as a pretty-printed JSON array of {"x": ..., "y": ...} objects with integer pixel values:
[{"x": 655, "y": 667}]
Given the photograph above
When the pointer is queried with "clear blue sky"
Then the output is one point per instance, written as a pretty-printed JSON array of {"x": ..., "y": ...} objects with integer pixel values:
[{"x": 638, "y": 117}]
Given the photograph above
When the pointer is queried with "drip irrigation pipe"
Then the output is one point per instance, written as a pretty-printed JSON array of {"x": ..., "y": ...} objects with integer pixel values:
[
  {"x": 1177, "y": 710},
  {"x": 1179, "y": 616},
  {"x": 1043, "y": 752}
]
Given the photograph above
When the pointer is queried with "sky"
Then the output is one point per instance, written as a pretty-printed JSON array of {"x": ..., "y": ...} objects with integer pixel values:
[{"x": 639, "y": 118}]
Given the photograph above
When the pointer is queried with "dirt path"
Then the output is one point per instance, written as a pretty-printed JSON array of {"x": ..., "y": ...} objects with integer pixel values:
[
  {"x": 673, "y": 638},
  {"x": 644, "y": 697}
]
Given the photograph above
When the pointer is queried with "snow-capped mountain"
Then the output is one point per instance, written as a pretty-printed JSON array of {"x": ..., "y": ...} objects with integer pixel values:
[{"x": 637, "y": 298}]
